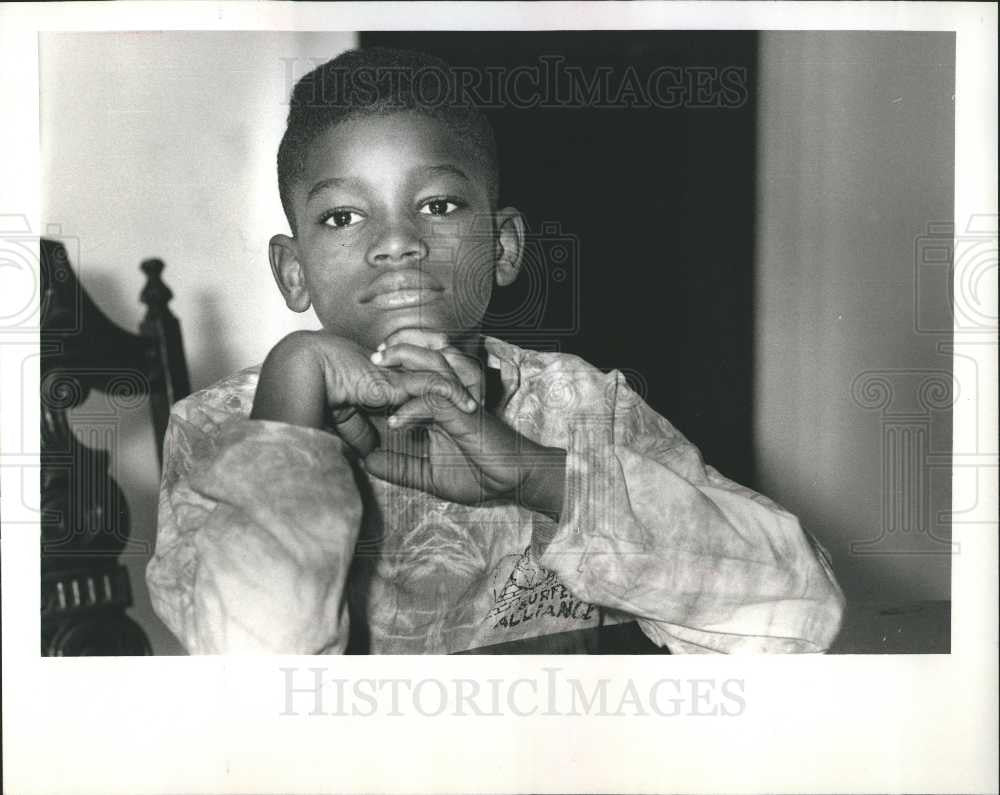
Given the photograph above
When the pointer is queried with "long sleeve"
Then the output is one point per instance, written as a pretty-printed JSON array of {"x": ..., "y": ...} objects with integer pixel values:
[
  {"x": 648, "y": 529},
  {"x": 257, "y": 526}
]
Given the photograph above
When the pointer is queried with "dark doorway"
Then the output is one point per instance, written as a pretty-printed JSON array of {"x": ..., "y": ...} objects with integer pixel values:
[{"x": 640, "y": 200}]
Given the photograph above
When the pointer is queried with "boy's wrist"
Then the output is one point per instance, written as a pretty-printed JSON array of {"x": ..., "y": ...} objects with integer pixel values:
[
  {"x": 543, "y": 490},
  {"x": 291, "y": 388}
]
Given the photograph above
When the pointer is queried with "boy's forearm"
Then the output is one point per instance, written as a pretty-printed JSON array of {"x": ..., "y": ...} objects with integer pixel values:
[
  {"x": 291, "y": 387},
  {"x": 543, "y": 489},
  {"x": 256, "y": 531}
]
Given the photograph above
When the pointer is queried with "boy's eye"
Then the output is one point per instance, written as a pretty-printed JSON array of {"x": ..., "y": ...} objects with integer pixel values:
[
  {"x": 439, "y": 207},
  {"x": 342, "y": 218}
]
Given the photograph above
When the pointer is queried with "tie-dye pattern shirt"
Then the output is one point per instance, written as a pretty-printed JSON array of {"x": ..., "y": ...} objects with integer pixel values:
[{"x": 271, "y": 541}]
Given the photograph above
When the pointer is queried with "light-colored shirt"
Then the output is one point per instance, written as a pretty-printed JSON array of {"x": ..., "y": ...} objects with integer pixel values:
[{"x": 270, "y": 541}]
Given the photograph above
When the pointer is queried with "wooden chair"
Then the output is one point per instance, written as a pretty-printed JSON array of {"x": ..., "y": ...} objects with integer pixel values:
[{"x": 85, "y": 518}]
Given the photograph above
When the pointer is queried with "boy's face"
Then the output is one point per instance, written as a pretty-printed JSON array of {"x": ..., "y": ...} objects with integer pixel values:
[{"x": 394, "y": 230}]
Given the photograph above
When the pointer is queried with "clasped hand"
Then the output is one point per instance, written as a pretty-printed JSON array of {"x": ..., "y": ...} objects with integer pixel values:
[{"x": 470, "y": 456}]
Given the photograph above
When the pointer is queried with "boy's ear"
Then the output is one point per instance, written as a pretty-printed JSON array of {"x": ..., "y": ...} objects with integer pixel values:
[
  {"x": 509, "y": 245},
  {"x": 288, "y": 274}
]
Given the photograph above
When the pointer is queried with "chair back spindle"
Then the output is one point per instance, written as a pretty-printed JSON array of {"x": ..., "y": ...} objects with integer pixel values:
[{"x": 85, "y": 518}]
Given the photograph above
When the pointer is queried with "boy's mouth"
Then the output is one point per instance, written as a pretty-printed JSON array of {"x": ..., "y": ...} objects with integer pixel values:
[
  {"x": 400, "y": 289},
  {"x": 399, "y": 299}
]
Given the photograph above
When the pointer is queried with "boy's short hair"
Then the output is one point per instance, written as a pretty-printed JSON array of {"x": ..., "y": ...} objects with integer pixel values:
[{"x": 379, "y": 81}]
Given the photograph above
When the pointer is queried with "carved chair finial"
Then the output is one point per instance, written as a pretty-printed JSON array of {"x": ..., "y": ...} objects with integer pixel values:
[{"x": 155, "y": 295}]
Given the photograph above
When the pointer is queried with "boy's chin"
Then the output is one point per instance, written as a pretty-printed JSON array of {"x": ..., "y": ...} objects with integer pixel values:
[{"x": 391, "y": 322}]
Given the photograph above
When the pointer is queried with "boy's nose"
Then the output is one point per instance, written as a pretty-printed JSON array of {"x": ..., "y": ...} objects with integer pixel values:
[{"x": 397, "y": 244}]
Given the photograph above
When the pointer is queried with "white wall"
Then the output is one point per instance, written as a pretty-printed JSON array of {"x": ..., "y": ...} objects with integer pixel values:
[
  {"x": 163, "y": 144},
  {"x": 855, "y": 159}
]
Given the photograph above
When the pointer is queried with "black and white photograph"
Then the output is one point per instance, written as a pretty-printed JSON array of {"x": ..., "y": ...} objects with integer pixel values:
[{"x": 382, "y": 363}]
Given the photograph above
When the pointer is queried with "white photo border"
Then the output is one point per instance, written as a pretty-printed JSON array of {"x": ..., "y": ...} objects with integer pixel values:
[{"x": 823, "y": 724}]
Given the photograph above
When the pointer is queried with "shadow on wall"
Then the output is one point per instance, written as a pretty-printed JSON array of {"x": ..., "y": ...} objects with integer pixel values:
[
  {"x": 219, "y": 357},
  {"x": 133, "y": 461}
]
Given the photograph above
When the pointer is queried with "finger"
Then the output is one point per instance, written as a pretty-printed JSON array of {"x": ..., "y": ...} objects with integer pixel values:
[
  {"x": 445, "y": 396},
  {"x": 383, "y": 387},
  {"x": 410, "y": 413},
  {"x": 401, "y": 469},
  {"x": 445, "y": 380},
  {"x": 447, "y": 361},
  {"x": 469, "y": 371},
  {"x": 412, "y": 357},
  {"x": 355, "y": 429},
  {"x": 421, "y": 337},
  {"x": 422, "y": 410},
  {"x": 433, "y": 412},
  {"x": 378, "y": 388}
]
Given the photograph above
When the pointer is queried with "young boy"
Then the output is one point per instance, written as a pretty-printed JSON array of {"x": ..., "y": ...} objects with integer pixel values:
[{"x": 401, "y": 482}]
